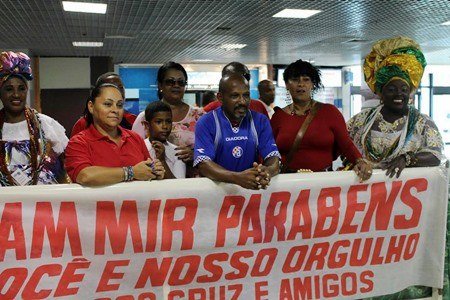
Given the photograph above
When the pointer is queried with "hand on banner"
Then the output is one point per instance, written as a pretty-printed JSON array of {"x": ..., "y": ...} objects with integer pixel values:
[
  {"x": 363, "y": 169},
  {"x": 158, "y": 169},
  {"x": 394, "y": 167},
  {"x": 254, "y": 178},
  {"x": 263, "y": 174},
  {"x": 143, "y": 170}
]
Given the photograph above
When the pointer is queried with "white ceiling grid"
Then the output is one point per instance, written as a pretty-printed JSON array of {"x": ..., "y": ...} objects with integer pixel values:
[{"x": 155, "y": 31}]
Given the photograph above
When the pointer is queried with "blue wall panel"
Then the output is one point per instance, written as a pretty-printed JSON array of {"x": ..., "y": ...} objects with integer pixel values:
[
  {"x": 254, "y": 80},
  {"x": 135, "y": 78},
  {"x": 144, "y": 79}
]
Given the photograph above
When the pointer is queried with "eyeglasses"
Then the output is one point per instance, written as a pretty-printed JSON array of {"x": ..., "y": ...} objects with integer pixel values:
[{"x": 172, "y": 82}]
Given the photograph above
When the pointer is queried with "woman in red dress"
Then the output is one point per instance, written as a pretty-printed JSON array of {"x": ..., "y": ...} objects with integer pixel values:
[{"x": 325, "y": 136}]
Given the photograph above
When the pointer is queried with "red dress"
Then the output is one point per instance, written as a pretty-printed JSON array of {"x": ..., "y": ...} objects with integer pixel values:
[
  {"x": 255, "y": 105},
  {"x": 325, "y": 137}
]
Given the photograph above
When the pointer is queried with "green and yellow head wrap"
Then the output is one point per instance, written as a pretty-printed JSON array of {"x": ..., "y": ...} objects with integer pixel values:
[{"x": 399, "y": 58}]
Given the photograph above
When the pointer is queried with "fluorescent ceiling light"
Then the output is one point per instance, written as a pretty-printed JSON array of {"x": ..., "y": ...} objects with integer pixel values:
[
  {"x": 446, "y": 23},
  {"x": 232, "y": 46},
  {"x": 119, "y": 36},
  {"x": 296, "y": 13},
  {"x": 87, "y": 44},
  {"x": 94, "y": 8},
  {"x": 203, "y": 60}
]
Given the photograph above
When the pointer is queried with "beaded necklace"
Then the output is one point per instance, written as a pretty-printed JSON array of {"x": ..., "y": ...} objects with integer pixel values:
[
  {"x": 375, "y": 156},
  {"x": 37, "y": 146},
  {"x": 306, "y": 109}
]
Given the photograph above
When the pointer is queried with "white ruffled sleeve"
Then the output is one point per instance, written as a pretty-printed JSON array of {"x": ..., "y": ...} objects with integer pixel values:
[
  {"x": 54, "y": 132},
  {"x": 138, "y": 127}
]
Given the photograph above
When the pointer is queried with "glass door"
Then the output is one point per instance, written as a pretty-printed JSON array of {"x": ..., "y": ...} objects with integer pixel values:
[{"x": 441, "y": 116}]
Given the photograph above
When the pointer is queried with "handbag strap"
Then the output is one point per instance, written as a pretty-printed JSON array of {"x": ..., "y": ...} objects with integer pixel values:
[{"x": 300, "y": 134}]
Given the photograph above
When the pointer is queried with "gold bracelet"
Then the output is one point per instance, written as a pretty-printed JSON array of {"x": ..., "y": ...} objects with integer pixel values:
[{"x": 361, "y": 159}]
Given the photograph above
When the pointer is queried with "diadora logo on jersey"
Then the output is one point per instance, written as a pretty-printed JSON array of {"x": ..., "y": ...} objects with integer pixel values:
[
  {"x": 236, "y": 138},
  {"x": 237, "y": 152},
  {"x": 201, "y": 150}
]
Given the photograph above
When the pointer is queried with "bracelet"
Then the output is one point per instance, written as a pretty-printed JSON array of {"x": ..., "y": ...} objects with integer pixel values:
[
  {"x": 410, "y": 159},
  {"x": 124, "y": 169},
  {"x": 407, "y": 159},
  {"x": 128, "y": 173},
  {"x": 361, "y": 159}
]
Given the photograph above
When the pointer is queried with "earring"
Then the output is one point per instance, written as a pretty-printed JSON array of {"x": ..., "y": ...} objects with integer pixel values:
[{"x": 288, "y": 97}]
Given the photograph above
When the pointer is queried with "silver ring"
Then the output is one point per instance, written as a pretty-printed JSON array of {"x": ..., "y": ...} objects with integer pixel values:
[
  {"x": 370, "y": 171},
  {"x": 397, "y": 169}
]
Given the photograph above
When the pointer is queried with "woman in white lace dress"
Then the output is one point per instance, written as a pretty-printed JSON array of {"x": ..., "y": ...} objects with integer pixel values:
[
  {"x": 395, "y": 135},
  {"x": 31, "y": 144}
]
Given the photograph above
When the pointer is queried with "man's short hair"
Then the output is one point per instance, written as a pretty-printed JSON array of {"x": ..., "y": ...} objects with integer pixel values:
[
  {"x": 236, "y": 68},
  {"x": 263, "y": 83},
  {"x": 154, "y": 107},
  {"x": 226, "y": 78},
  {"x": 208, "y": 97}
]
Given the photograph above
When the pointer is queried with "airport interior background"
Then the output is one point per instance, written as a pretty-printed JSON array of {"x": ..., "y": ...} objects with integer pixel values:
[{"x": 133, "y": 38}]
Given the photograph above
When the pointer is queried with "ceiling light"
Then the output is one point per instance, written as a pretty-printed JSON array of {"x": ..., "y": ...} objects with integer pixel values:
[
  {"x": 119, "y": 36},
  {"x": 232, "y": 46},
  {"x": 94, "y": 8},
  {"x": 202, "y": 60},
  {"x": 87, "y": 44},
  {"x": 296, "y": 13},
  {"x": 446, "y": 23}
]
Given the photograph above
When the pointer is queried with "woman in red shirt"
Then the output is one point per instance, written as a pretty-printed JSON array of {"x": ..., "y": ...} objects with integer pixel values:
[
  {"x": 325, "y": 136},
  {"x": 106, "y": 153},
  {"x": 128, "y": 118}
]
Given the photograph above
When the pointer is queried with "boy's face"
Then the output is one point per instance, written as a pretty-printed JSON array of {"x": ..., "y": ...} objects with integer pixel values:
[{"x": 160, "y": 126}]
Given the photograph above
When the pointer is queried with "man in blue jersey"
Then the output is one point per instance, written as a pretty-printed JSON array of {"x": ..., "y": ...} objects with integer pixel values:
[{"x": 230, "y": 139}]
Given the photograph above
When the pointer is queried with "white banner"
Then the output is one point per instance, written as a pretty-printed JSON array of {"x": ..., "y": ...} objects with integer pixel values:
[{"x": 308, "y": 236}]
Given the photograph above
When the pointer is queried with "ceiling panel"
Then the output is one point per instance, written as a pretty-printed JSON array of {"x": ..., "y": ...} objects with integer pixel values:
[{"x": 153, "y": 31}]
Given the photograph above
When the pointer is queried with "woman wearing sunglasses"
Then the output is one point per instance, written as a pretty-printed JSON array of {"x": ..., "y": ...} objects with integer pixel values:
[{"x": 172, "y": 81}]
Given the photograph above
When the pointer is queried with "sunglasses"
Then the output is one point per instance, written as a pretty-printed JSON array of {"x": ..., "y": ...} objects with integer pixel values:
[{"x": 172, "y": 82}]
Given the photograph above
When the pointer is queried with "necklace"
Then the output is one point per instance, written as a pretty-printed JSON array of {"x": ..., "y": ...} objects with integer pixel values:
[
  {"x": 387, "y": 127},
  {"x": 306, "y": 109},
  {"x": 35, "y": 132}
]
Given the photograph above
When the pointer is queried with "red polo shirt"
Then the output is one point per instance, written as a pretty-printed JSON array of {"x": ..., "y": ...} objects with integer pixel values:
[{"x": 91, "y": 148}]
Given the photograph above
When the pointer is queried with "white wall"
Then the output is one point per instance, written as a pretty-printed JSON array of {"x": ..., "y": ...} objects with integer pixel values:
[{"x": 64, "y": 73}]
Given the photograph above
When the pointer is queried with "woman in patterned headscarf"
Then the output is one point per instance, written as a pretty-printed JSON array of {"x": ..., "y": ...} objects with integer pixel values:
[
  {"x": 31, "y": 144},
  {"x": 395, "y": 135}
]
